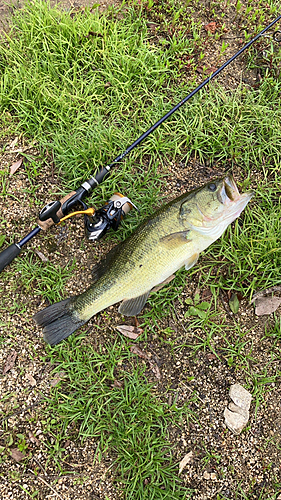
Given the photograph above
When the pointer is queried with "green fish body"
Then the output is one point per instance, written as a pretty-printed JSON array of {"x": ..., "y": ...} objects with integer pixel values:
[{"x": 174, "y": 237}]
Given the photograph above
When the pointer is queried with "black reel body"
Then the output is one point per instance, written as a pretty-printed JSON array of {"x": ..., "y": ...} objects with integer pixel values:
[
  {"x": 107, "y": 217},
  {"x": 97, "y": 222}
]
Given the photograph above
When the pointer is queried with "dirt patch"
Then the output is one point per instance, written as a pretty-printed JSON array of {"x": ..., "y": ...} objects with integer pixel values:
[
  {"x": 203, "y": 380},
  {"x": 220, "y": 460}
]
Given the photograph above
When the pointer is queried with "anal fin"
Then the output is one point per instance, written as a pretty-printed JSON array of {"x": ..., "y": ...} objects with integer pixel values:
[{"x": 132, "y": 307}]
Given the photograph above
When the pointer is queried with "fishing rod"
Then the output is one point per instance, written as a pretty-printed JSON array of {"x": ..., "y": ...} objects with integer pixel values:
[{"x": 98, "y": 222}]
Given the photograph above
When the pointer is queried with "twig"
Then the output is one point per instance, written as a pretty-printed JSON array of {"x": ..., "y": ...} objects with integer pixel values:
[
  {"x": 41, "y": 466},
  {"x": 52, "y": 165},
  {"x": 178, "y": 318},
  {"x": 193, "y": 390},
  {"x": 47, "y": 484},
  {"x": 23, "y": 410},
  {"x": 216, "y": 492},
  {"x": 224, "y": 305},
  {"x": 21, "y": 150},
  {"x": 75, "y": 465}
]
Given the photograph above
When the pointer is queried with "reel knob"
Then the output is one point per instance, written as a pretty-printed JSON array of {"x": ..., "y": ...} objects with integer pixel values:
[{"x": 50, "y": 212}]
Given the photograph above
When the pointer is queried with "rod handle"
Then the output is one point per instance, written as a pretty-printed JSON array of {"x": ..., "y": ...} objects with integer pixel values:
[{"x": 8, "y": 255}]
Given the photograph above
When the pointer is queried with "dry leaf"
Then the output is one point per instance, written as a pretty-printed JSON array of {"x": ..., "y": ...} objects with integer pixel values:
[
  {"x": 186, "y": 460},
  {"x": 14, "y": 142},
  {"x": 59, "y": 376},
  {"x": 117, "y": 383},
  {"x": 136, "y": 350},
  {"x": 210, "y": 70},
  {"x": 15, "y": 166},
  {"x": 33, "y": 439},
  {"x": 41, "y": 256},
  {"x": 17, "y": 455},
  {"x": 93, "y": 33},
  {"x": 212, "y": 27},
  {"x": 155, "y": 370},
  {"x": 263, "y": 293},
  {"x": 267, "y": 305},
  {"x": 132, "y": 332},
  {"x": 10, "y": 362},
  {"x": 31, "y": 380},
  {"x": 211, "y": 356},
  {"x": 206, "y": 293},
  {"x": 152, "y": 26}
]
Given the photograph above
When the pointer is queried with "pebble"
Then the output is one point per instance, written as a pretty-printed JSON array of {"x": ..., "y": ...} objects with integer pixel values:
[
  {"x": 237, "y": 414},
  {"x": 240, "y": 396}
]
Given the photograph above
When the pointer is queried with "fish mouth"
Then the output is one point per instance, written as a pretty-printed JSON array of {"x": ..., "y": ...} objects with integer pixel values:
[
  {"x": 231, "y": 198},
  {"x": 228, "y": 192}
]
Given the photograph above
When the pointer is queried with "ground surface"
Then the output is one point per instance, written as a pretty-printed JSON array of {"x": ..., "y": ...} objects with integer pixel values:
[{"x": 223, "y": 465}]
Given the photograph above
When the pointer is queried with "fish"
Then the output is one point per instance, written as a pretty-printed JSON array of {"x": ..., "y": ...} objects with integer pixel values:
[{"x": 172, "y": 238}]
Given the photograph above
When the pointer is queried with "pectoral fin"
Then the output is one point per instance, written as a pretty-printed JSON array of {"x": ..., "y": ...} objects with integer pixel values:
[
  {"x": 132, "y": 307},
  {"x": 191, "y": 261},
  {"x": 175, "y": 239}
]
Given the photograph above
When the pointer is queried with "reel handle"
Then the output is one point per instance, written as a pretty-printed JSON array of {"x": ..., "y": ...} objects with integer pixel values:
[
  {"x": 8, "y": 255},
  {"x": 45, "y": 224}
]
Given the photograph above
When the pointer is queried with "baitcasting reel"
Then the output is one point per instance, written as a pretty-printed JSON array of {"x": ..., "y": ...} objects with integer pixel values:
[{"x": 97, "y": 222}]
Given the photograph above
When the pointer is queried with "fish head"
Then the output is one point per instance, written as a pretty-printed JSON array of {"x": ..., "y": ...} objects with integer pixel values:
[{"x": 214, "y": 206}]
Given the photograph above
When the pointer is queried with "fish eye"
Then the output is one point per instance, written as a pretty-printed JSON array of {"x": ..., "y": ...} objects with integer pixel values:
[{"x": 212, "y": 187}]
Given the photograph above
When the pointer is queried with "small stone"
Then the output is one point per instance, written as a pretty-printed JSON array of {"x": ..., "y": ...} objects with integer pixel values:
[
  {"x": 237, "y": 414},
  {"x": 233, "y": 407},
  {"x": 213, "y": 476},
  {"x": 206, "y": 475},
  {"x": 31, "y": 380},
  {"x": 186, "y": 460},
  {"x": 234, "y": 421},
  {"x": 240, "y": 396}
]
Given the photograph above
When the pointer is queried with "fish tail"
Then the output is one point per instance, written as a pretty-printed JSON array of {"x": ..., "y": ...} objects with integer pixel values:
[{"x": 58, "y": 321}]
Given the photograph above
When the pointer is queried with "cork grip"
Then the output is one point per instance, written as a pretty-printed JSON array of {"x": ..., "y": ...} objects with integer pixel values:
[{"x": 48, "y": 223}]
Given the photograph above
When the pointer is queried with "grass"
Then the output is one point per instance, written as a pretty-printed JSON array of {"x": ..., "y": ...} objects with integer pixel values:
[
  {"x": 249, "y": 257},
  {"x": 85, "y": 86},
  {"x": 125, "y": 418}
]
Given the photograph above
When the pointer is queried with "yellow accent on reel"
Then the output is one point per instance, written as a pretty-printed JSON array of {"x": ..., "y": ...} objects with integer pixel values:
[{"x": 89, "y": 211}]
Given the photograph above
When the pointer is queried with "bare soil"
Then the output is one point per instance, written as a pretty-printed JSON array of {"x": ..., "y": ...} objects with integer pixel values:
[{"x": 251, "y": 459}]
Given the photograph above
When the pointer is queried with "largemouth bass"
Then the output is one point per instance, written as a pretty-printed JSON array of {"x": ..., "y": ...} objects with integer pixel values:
[{"x": 171, "y": 239}]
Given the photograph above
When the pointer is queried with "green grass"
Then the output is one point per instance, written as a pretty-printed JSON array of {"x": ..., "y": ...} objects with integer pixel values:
[
  {"x": 85, "y": 87},
  {"x": 248, "y": 257},
  {"x": 36, "y": 279},
  {"x": 56, "y": 76},
  {"x": 128, "y": 420}
]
